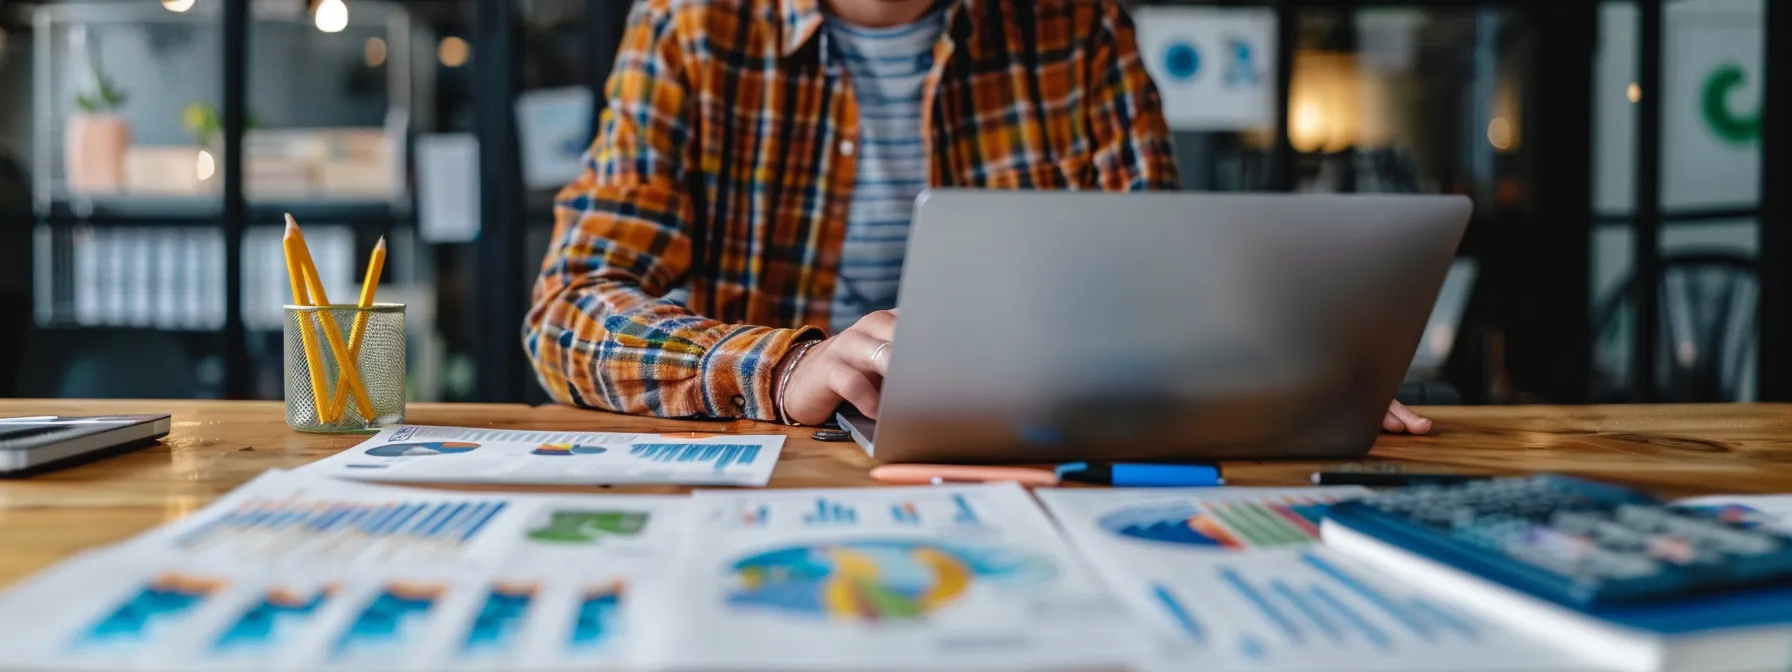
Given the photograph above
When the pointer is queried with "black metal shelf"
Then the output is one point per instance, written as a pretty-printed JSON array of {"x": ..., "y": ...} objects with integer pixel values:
[{"x": 188, "y": 211}]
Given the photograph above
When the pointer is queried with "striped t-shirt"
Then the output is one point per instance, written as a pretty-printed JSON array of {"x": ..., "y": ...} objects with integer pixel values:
[{"x": 887, "y": 67}]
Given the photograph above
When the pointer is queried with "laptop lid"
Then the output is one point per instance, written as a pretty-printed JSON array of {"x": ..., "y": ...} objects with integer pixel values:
[{"x": 1075, "y": 325}]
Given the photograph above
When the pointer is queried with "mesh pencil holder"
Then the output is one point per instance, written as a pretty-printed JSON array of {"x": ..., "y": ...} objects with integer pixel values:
[{"x": 320, "y": 396}]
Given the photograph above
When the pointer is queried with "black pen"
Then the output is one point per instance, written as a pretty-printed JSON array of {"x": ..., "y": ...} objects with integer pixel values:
[{"x": 1382, "y": 480}]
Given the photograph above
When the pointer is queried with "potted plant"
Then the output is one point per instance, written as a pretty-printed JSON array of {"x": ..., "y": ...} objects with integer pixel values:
[{"x": 96, "y": 139}]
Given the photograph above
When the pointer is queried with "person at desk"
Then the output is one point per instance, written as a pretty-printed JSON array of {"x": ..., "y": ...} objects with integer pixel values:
[{"x": 751, "y": 185}]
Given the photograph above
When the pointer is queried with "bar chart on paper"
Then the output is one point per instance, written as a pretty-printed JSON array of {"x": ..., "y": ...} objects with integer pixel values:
[
  {"x": 722, "y": 455},
  {"x": 423, "y": 453},
  {"x": 1241, "y": 576},
  {"x": 871, "y": 508},
  {"x": 297, "y": 530},
  {"x": 1307, "y": 608}
]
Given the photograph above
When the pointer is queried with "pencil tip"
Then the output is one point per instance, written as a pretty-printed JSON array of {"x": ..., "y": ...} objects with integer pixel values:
[
  {"x": 291, "y": 224},
  {"x": 380, "y": 245}
]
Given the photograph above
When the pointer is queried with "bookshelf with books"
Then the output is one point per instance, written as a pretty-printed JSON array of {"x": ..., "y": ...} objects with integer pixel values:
[{"x": 142, "y": 213}]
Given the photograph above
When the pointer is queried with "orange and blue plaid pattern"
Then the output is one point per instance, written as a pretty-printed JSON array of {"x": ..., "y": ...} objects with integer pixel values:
[{"x": 704, "y": 236}]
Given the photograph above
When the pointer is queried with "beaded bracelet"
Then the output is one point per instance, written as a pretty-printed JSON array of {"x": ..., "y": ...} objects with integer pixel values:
[{"x": 784, "y": 383}]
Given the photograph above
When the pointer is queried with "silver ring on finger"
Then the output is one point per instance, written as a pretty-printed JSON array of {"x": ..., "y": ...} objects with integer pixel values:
[{"x": 879, "y": 351}]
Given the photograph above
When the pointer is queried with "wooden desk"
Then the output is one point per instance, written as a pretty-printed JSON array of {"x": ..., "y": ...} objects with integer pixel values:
[{"x": 215, "y": 446}]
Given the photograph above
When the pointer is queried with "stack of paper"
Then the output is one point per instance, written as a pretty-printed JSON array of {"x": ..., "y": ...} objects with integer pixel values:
[
  {"x": 415, "y": 453},
  {"x": 1234, "y": 578},
  {"x": 299, "y": 573}
]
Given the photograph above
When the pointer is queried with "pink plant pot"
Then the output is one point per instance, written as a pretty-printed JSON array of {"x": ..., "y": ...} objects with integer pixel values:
[{"x": 95, "y": 145}]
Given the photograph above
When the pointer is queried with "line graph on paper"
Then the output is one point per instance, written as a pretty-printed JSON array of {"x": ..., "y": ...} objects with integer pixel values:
[
  {"x": 1309, "y": 604},
  {"x": 333, "y": 531}
]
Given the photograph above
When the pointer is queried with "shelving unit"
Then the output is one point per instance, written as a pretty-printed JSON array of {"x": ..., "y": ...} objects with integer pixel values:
[{"x": 67, "y": 34}]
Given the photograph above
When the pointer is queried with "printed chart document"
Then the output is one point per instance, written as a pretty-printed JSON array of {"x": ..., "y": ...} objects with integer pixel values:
[
  {"x": 928, "y": 578},
  {"x": 1234, "y": 578},
  {"x": 292, "y": 572},
  {"x": 417, "y": 453}
]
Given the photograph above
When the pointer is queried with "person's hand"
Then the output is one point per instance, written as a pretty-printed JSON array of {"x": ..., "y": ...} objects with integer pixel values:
[
  {"x": 848, "y": 367},
  {"x": 1401, "y": 420}
]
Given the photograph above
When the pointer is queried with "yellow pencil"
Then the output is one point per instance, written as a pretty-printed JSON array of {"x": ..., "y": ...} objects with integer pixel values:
[
  {"x": 295, "y": 271},
  {"x": 369, "y": 285},
  {"x": 351, "y": 374}
]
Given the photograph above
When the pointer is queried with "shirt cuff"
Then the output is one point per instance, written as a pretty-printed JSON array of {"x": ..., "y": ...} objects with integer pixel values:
[{"x": 738, "y": 371}]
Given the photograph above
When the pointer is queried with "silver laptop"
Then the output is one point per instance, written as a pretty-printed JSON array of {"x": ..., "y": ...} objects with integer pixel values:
[{"x": 1042, "y": 326}]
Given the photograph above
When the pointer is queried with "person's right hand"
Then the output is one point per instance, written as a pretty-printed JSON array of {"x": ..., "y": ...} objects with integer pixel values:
[{"x": 848, "y": 367}]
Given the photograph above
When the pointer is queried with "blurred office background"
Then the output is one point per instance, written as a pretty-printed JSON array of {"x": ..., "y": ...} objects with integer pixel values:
[{"x": 148, "y": 147}]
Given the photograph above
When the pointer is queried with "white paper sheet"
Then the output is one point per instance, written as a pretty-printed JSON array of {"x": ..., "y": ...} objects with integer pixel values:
[
  {"x": 940, "y": 578},
  {"x": 293, "y": 572},
  {"x": 448, "y": 189},
  {"x": 416, "y": 453},
  {"x": 1233, "y": 578}
]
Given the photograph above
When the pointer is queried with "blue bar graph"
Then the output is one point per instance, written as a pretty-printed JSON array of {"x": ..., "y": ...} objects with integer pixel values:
[
  {"x": 1368, "y": 593},
  {"x": 1251, "y": 647},
  {"x": 430, "y": 516},
  {"x": 267, "y": 624},
  {"x": 1184, "y": 619},
  {"x": 1444, "y": 617},
  {"x": 722, "y": 455},
  {"x": 1250, "y": 594},
  {"x": 906, "y": 513},
  {"x": 966, "y": 515},
  {"x": 341, "y": 527},
  {"x": 378, "y": 518},
  {"x": 1369, "y": 631},
  {"x": 387, "y": 622},
  {"x": 595, "y": 621},
  {"x": 756, "y": 517},
  {"x": 323, "y": 522},
  {"x": 830, "y": 513},
  {"x": 447, "y": 517},
  {"x": 500, "y": 619},
  {"x": 1313, "y": 615},
  {"x": 352, "y": 515},
  {"x": 164, "y": 604},
  {"x": 489, "y": 515},
  {"x": 466, "y": 521}
]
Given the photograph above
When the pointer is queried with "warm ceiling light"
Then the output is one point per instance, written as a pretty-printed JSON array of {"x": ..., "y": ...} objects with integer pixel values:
[
  {"x": 1499, "y": 133},
  {"x": 331, "y": 16},
  {"x": 177, "y": 6},
  {"x": 376, "y": 52},
  {"x": 205, "y": 168},
  {"x": 453, "y": 52},
  {"x": 1634, "y": 92}
]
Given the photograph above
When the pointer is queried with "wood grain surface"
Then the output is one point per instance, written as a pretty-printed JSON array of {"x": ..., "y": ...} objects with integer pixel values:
[{"x": 216, "y": 446}]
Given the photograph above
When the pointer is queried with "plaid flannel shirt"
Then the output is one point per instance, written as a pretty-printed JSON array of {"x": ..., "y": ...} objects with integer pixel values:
[{"x": 703, "y": 239}]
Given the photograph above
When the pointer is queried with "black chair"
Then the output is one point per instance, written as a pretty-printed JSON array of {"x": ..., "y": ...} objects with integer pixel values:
[{"x": 1706, "y": 336}]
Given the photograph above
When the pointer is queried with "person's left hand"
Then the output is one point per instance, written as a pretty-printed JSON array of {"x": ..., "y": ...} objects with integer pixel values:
[{"x": 1401, "y": 420}]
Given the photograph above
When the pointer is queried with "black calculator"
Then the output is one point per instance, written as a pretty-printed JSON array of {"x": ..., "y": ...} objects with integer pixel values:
[{"x": 1571, "y": 541}]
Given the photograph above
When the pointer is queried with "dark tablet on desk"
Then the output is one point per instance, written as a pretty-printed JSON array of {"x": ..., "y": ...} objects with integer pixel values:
[{"x": 33, "y": 445}]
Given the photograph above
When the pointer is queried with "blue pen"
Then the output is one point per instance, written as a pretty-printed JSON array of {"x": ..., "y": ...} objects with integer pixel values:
[{"x": 1142, "y": 475}]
